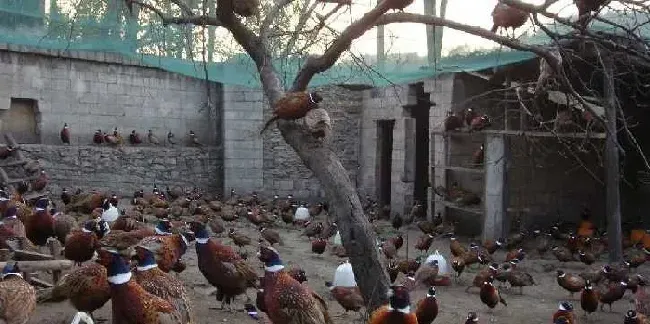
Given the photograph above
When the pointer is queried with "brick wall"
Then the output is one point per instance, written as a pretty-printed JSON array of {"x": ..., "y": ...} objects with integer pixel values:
[
  {"x": 127, "y": 169},
  {"x": 91, "y": 91},
  {"x": 266, "y": 163}
]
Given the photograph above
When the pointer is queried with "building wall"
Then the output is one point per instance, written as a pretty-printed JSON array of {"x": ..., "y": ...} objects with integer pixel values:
[
  {"x": 94, "y": 90},
  {"x": 90, "y": 92},
  {"x": 266, "y": 163},
  {"x": 545, "y": 182},
  {"x": 128, "y": 169},
  {"x": 386, "y": 104}
]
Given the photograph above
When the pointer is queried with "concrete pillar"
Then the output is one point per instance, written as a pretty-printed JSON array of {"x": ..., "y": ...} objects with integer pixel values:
[{"x": 496, "y": 197}]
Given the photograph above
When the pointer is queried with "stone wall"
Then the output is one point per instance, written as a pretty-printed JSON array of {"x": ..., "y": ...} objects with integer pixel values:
[
  {"x": 91, "y": 91},
  {"x": 128, "y": 169},
  {"x": 388, "y": 104},
  {"x": 266, "y": 163}
]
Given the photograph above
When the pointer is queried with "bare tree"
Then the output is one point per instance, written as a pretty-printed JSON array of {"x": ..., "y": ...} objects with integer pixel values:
[{"x": 255, "y": 36}]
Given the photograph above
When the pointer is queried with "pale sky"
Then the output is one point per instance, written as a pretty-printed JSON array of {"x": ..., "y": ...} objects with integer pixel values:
[{"x": 411, "y": 37}]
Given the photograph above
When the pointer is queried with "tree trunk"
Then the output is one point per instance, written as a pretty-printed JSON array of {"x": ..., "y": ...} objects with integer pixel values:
[{"x": 356, "y": 232}]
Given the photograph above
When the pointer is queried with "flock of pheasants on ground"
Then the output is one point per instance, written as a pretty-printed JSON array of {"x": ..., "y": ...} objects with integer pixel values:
[{"x": 121, "y": 259}]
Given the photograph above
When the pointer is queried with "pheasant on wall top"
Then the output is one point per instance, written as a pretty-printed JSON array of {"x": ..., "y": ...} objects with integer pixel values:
[
  {"x": 65, "y": 134},
  {"x": 294, "y": 105}
]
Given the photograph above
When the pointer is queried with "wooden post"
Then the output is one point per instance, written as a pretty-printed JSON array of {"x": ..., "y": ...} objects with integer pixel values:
[
  {"x": 496, "y": 198},
  {"x": 612, "y": 166}
]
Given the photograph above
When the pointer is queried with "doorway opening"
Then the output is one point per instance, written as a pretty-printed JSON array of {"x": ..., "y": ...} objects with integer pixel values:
[
  {"x": 385, "y": 160},
  {"x": 420, "y": 112},
  {"x": 20, "y": 120}
]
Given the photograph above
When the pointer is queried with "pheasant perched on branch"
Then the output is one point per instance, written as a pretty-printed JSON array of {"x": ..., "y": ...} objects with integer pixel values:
[
  {"x": 506, "y": 16},
  {"x": 399, "y": 4},
  {"x": 293, "y": 105},
  {"x": 585, "y": 7}
]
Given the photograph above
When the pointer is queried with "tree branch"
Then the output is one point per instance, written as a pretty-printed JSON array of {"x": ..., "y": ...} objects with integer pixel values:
[
  {"x": 270, "y": 17},
  {"x": 199, "y": 20},
  {"x": 305, "y": 12},
  {"x": 320, "y": 63}
]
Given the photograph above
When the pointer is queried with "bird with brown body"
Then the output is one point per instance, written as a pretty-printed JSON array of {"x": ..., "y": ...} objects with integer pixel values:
[
  {"x": 41, "y": 182},
  {"x": 563, "y": 254},
  {"x": 86, "y": 288},
  {"x": 240, "y": 239},
  {"x": 426, "y": 309},
  {"x": 293, "y": 105},
  {"x": 589, "y": 298},
  {"x": 65, "y": 134},
  {"x": 397, "y": 240},
  {"x": 570, "y": 282},
  {"x": 312, "y": 229},
  {"x": 297, "y": 273},
  {"x": 407, "y": 265},
  {"x": 399, "y": 4},
  {"x": 480, "y": 123},
  {"x": 565, "y": 311},
  {"x": 80, "y": 244},
  {"x": 387, "y": 247},
  {"x": 349, "y": 298},
  {"x": 506, "y": 16},
  {"x": 634, "y": 282},
  {"x": 483, "y": 275},
  {"x": 398, "y": 310},
  {"x": 490, "y": 295},
  {"x": 518, "y": 254},
  {"x": 585, "y": 7},
  {"x": 318, "y": 245},
  {"x": 633, "y": 317},
  {"x": 586, "y": 257},
  {"x": 168, "y": 250},
  {"x": 329, "y": 230},
  {"x": 424, "y": 243},
  {"x": 427, "y": 273},
  {"x": 456, "y": 248},
  {"x": 130, "y": 303},
  {"x": 63, "y": 224},
  {"x": 160, "y": 284},
  {"x": 613, "y": 292},
  {"x": 518, "y": 278},
  {"x": 458, "y": 264},
  {"x": 221, "y": 266},
  {"x": 134, "y": 138},
  {"x": 285, "y": 299},
  {"x": 98, "y": 137},
  {"x": 6, "y": 151},
  {"x": 452, "y": 122},
  {"x": 615, "y": 272},
  {"x": 271, "y": 236},
  {"x": 123, "y": 240},
  {"x": 40, "y": 224},
  {"x": 17, "y": 297}
]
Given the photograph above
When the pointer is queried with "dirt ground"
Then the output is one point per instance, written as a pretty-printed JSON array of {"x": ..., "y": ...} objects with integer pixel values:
[{"x": 536, "y": 305}]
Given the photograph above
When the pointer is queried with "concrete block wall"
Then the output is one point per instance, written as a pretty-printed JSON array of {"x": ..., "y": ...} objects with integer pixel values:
[
  {"x": 441, "y": 90},
  {"x": 91, "y": 91},
  {"x": 129, "y": 168},
  {"x": 385, "y": 104},
  {"x": 266, "y": 163},
  {"x": 243, "y": 154}
]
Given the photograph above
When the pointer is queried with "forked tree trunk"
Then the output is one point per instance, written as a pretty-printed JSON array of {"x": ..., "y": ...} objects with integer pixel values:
[{"x": 357, "y": 234}]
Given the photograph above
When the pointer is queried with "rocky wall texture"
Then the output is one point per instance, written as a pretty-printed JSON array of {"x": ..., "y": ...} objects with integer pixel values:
[{"x": 128, "y": 169}]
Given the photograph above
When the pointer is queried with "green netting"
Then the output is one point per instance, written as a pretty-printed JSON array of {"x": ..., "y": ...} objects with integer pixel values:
[{"x": 103, "y": 26}]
